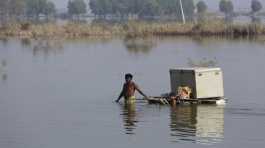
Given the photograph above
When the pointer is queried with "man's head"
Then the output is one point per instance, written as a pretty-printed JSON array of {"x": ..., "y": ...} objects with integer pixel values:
[{"x": 128, "y": 77}]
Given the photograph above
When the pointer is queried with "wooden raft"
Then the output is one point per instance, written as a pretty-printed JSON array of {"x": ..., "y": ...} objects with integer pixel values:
[{"x": 164, "y": 101}]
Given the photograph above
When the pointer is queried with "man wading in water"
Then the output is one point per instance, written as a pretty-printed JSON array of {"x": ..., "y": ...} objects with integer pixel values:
[{"x": 128, "y": 90}]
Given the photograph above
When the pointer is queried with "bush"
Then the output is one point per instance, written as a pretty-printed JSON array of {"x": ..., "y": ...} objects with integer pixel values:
[{"x": 25, "y": 26}]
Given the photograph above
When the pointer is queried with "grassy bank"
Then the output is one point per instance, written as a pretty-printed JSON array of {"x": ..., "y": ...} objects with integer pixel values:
[{"x": 131, "y": 29}]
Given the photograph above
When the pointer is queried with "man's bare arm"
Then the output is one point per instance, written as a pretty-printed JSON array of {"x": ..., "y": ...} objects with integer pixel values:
[
  {"x": 121, "y": 95},
  {"x": 140, "y": 91}
]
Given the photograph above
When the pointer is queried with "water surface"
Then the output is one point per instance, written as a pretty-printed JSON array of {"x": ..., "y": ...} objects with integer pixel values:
[{"x": 60, "y": 93}]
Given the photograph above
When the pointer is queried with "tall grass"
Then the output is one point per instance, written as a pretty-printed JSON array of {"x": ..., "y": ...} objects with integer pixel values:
[{"x": 132, "y": 29}]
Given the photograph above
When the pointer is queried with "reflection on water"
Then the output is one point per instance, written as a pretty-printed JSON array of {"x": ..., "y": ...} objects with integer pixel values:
[
  {"x": 26, "y": 42},
  {"x": 200, "y": 41},
  {"x": 210, "y": 124},
  {"x": 187, "y": 123},
  {"x": 91, "y": 40},
  {"x": 202, "y": 63},
  {"x": 183, "y": 122},
  {"x": 3, "y": 63},
  {"x": 4, "y": 40},
  {"x": 3, "y": 72},
  {"x": 247, "y": 111},
  {"x": 200, "y": 124},
  {"x": 139, "y": 45},
  {"x": 43, "y": 47},
  {"x": 4, "y": 77},
  {"x": 207, "y": 42},
  {"x": 47, "y": 47},
  {"x": 129, "y": 117}
]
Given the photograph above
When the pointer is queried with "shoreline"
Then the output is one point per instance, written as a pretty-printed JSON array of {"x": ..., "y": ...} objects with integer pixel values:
[{"x": 131, "y": 29}]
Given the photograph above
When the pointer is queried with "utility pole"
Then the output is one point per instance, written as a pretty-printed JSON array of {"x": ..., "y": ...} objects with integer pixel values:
[{"x": 182, "y": 12}]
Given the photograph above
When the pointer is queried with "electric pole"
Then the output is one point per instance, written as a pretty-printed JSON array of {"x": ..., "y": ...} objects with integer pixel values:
[{"x": 182, "y": 12}]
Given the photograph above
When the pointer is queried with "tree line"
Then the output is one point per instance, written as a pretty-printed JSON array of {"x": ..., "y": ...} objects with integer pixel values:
[
  {"x": 118, "y": 8},
  {"x": 21, "y": 9},
  {"x": 161, "y": 7},
  {"x": 142, "y": 8},
  {"x": 227, "y": 7},
  {"x": 28, "y": 8}
]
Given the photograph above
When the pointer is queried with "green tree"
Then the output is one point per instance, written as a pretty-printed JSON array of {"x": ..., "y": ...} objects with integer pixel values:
[
  {"x": 3, "y": 12},
  {"x": 142, "y": 7},
  {"x": 12, "y": 8},
  {"x": 149, "y": 8},
  {"x": 121, "y": 7},
  {"x": 31, "y": 8},
  {"x": 226, "y": 6},
  {"x": 222, "y": 6},
  {"x": 201, "y": 10},
  {"x": 100, "y": 7},
  {"x": 168, "y": 7},
  {"x": 49, "y": 9},
  {"x": 37, "y": 7},
  {"x": 76, "y": 7},
  {"x": 135, "y": 6},
  {"x": 16, "y": 7},
  {"x": 201, "y": 7},
  {"x": 256, "y": 6},
  {"x": 188, "y": 6},
  {"x": 3, "y": 7}
]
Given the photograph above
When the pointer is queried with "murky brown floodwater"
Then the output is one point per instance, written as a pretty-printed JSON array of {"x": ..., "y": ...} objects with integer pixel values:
[{"x": 60, "y": 93}]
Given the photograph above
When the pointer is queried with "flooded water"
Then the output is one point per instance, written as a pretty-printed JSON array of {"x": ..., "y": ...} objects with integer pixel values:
[{"x": 60, "y": 93}]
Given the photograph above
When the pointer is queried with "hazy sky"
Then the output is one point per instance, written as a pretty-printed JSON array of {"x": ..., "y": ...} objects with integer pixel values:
[{"x": 213, "y": 4}]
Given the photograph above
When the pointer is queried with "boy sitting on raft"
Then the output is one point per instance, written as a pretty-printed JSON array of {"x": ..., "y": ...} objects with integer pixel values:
[
  {"x": 128, "y": 90},
  {"x": 183, "y": 93}
]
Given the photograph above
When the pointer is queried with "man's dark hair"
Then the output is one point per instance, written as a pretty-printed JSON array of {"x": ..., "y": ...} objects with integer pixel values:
[{"x": 128, "y": 75}]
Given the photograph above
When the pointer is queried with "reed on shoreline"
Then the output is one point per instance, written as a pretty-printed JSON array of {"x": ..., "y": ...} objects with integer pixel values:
[{"x": 131, "y": 29}]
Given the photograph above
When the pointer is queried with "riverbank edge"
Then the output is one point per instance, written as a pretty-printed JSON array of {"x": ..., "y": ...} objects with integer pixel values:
[{"x": 131, "y": 29}]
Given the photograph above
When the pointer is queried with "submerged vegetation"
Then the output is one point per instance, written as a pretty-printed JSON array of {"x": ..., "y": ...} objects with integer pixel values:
[{"x": 132, "y": 29}]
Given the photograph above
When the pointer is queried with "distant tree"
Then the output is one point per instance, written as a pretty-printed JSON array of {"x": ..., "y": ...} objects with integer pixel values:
[
  {"x": 189, "y": 7},
  {"x": 172, "y": 7},
  {"x": 201, "y": 7},
  {"x": 100, "y": 7},
  {"x": 222, "y": 6},
  {"x": 3, "y": 12},
  {"x": 168, "y": 7},
  {"x": 121, "y": 7},
  {"x": 230, "y": 7},
  {"x": 41, "y": 5},
  {"x": 141, "y": 8},
  {"x": 226, "y": 6},
  {"x": 3, "y": 7},
  {"x": 12, "y": 8},
  {"x": 49, "y": 9},
  {"x": 149, "y": 8},
  {"x": 135, "y": 6},
  {"x": 16, "y": 7},
  {"x": 32, "y": 8},
  {"x": 37, "y": 7},
  {"x": 256, "y": 6},
  {"x": 76, "y": 7}
]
